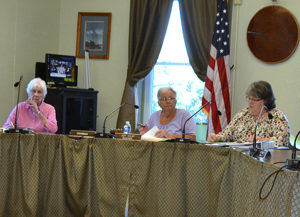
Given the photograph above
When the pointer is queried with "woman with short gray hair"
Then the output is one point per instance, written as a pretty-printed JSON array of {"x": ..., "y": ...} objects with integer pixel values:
[{"x": 169, "y": 120}]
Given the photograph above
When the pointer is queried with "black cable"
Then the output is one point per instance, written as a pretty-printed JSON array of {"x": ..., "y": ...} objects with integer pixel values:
[
  {"x": 280, "y": 162},
  {"x": 260, "y": 191}
]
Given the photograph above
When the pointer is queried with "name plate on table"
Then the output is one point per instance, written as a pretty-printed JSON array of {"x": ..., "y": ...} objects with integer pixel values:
[
  {"x": 128, "y": 136},
  {"x": 82, "y": 134}
]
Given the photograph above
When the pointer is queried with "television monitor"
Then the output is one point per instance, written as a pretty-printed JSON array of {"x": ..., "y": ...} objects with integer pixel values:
[{"x": 61, "y": 70}]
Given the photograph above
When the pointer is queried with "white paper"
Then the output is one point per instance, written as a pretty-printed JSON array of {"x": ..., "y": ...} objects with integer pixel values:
[
  {"x": 150, "y": 135},
  {"x": 230, "y": 144}
]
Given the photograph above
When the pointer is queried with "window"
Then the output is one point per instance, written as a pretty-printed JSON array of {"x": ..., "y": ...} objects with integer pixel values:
[{"x": 173, "y": 69}]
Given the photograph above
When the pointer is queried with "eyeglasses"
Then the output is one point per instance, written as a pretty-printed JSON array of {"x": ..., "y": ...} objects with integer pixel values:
[
  {"x": 252, "y": 99},
  {"x": 36, "y": 92},
  {"x": 164, "y": 99}
]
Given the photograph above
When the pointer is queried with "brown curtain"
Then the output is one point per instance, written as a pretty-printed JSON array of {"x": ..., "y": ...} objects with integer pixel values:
[
  {"x": 147, "y": 27},
  {"x": 198, "y": 18}
]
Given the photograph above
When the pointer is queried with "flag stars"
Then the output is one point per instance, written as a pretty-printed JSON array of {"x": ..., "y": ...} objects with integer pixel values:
[{"x": 220, "y": 41}]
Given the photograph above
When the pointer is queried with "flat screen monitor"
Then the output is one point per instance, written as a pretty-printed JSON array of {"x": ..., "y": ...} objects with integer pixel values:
[{"x": 61, "y": 70}]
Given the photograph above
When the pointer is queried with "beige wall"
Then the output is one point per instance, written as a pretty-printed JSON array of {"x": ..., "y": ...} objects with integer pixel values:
[
  {"x": 28, "y": 30},
  {"x": 35, "y": 27},
  {"x": 32, "y": 28},
  {"x": 107, "y": 76},
  {"x": 284, "y": 77},
  {"x": 7, "y": 50}
]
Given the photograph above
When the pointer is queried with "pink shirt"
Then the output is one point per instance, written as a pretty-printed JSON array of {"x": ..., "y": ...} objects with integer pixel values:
[{"x": 28, "y": 119}]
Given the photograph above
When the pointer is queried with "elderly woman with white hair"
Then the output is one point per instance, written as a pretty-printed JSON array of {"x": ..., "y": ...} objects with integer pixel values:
[
  {"x": 169, "y": 120},
  {"x": 34, "y": 113}
]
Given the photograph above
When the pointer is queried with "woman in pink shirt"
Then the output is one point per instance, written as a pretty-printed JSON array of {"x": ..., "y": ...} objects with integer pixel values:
[{"x": 34, "y": 113}]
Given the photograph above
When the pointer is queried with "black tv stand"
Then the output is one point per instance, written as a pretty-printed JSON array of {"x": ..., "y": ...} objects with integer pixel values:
[{"x": 75, "y": 108}]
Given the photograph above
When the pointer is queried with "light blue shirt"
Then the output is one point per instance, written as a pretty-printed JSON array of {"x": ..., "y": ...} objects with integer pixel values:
[{"x": 176, "y": 125}]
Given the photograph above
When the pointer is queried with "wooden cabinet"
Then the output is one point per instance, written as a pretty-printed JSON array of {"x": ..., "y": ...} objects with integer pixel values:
[{"x": 75, "y": 108}]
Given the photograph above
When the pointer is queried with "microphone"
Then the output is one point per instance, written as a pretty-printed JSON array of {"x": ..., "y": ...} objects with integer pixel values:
[
  {"x": 135, "y": 106},
  {"x": 15, "y": 129},
  {"x": 270, "y": 116},
  {"x": 107, "y": 135},
  {"x": 218, "y": 111},
  {"x": 18, "y": 82},
  {"x": 254, "y": 151},
  {"x": 293, "y": 164}
]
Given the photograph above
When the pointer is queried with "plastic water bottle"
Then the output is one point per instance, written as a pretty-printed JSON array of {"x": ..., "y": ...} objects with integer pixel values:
[{"x": 127, "y": 127}]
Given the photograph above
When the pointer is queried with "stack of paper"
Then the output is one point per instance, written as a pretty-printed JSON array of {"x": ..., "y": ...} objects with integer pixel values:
[{"x": 150, "y": 135}]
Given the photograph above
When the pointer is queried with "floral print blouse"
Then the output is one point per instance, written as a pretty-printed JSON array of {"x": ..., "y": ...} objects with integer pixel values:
[{"x": 243, "y": 124}]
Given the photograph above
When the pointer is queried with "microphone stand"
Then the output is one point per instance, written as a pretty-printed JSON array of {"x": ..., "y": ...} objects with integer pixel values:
[
  {"x": 15, "y": 129},
  {"x": 254, "y": 152},
  {"x": 103, "y": 134},
  {"x": 19, "y": 87},
  {"x": 183, "y": 139},
  {"x": 293, "y": 164},
  {"x": 109, "y": 135}
]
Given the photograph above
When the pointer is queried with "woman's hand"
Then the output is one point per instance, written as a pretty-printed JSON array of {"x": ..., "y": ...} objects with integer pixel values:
[
  {"x": 33, "y": 105},
  {"x": 143, "y": 129},
  {"x": 163, "y": 134},
  {"x": 35, "y": 108},
  {"x": 212, "y": 138}
]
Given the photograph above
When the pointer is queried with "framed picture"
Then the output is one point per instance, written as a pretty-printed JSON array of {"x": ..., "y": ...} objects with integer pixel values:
[{"x": 93, "y": 34}]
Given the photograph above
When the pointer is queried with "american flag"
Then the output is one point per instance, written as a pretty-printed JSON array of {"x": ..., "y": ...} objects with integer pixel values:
[{"x": 217, "y": 89}]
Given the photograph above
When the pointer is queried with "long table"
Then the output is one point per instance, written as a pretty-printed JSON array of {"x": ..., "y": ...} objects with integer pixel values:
[{"x": 53, "y": 175}]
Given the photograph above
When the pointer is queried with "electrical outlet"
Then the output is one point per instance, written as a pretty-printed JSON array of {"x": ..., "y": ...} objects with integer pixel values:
[{"x": 237, "y": 2}]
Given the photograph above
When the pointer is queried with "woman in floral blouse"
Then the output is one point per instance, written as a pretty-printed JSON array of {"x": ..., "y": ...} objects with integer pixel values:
[{"x": 273, "y": 127}]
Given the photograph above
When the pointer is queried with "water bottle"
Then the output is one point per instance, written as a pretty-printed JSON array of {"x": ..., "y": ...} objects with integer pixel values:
[{"x": 127, "y": 127}]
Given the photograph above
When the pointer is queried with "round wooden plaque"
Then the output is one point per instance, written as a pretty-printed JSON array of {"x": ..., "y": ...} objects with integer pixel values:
[{"x": 273, "y": 34}]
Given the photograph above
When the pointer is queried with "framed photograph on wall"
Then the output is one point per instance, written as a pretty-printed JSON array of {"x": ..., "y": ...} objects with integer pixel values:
[{"x": 93, "y": 34}]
